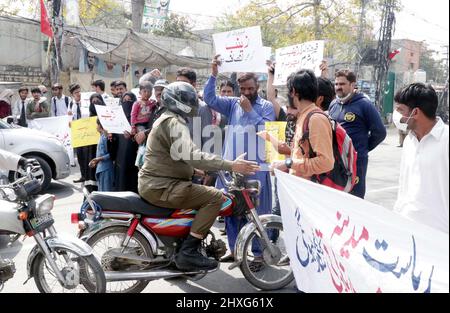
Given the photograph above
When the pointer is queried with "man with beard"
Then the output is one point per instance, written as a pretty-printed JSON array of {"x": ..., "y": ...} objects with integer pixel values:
[
  {"x": 245, "y": 115},
  {"x": 360, "y": 119}
]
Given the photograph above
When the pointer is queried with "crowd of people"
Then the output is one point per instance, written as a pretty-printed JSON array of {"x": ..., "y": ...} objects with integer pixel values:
[{"x": 220, "y": 130}]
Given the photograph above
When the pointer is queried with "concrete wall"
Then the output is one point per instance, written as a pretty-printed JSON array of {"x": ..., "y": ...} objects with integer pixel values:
[
  {"x": 21, "y": 43},
  {"x": 22, "y": 51}
]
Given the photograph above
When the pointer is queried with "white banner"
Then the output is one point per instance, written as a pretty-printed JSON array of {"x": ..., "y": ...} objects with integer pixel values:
[
  {"x": 307, "y": 55},
  {"x": 340, "y": 243},
  {"x": 241, "y": 50},
  {"x": 113, "y": 119},
  {"x": 57, "y": 126}
]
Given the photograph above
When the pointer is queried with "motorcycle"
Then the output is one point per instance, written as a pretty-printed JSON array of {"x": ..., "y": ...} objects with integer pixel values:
[
  {"x": 57, "y": 263},
  {"x": 136, "y": 241}
]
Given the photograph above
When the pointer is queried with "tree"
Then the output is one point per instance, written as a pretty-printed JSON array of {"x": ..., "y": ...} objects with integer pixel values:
[
  {"x": 436, "y": 71},
  {"x": 285, "y": 23},
  {"x": 303, "y": 21},
  {"x": 176, "y": 26},
  {"x": 137, "y": 12},
  {"x": 92, "y": 12},
  {"x": 109, "y": 13}
]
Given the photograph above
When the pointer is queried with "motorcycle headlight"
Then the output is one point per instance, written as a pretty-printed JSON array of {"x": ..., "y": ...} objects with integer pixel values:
[{"x": 44, "y": 204}]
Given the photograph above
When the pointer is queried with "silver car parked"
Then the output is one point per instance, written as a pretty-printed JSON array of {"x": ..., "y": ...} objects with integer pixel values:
[{"x": 43, "y": 147}]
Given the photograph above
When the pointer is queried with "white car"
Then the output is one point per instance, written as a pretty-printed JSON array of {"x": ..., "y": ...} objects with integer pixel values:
[{"x": 31, "y": 143}]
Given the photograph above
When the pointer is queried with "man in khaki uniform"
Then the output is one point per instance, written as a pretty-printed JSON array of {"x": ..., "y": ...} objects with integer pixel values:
[{"x": 166, "y": 177}]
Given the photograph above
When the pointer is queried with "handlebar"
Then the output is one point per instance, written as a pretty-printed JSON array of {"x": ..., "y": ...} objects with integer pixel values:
[{"x": 28, "y": 177}]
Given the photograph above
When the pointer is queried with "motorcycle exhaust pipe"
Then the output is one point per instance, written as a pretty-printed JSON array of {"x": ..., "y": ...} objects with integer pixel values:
[{"x": 149, "y": 275}]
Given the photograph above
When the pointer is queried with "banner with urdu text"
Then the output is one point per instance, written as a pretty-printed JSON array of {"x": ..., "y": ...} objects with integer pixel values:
[{"x": 340, "y": 243}]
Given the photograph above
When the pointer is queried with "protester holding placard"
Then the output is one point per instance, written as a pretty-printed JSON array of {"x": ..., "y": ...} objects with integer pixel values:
[{"x": 245, "y": 115}]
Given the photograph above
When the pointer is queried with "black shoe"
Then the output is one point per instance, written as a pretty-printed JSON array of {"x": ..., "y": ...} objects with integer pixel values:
[
  {"x": 79, "y": 180},
  {"x": 190, "y": 259}
]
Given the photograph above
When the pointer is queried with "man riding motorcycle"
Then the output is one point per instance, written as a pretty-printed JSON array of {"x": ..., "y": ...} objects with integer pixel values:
[{"x": 166, "y": 177}]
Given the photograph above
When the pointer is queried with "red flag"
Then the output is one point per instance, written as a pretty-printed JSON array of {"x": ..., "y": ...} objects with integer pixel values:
[
  {"x": 45, "y": 24},
  {"x": 394, "y": 53}
]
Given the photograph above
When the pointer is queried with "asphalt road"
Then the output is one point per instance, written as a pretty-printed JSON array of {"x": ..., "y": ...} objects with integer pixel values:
[{"x": 382, "y": 186}]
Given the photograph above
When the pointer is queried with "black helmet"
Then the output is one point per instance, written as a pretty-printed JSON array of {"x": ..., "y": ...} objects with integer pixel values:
[{"x": 180, "y": 98}]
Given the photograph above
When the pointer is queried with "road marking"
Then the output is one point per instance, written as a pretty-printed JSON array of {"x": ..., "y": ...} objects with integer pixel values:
[{"x": 383, "y": 189}]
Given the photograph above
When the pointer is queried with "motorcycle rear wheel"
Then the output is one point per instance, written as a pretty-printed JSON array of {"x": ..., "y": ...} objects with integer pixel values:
[
  {"x": 250, "y": 262},
  {"x": 90, "y": 277},
  {"x": 117, "y": 234}
]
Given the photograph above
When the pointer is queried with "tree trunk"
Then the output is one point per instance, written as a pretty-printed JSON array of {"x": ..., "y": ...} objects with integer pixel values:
[
  {"x": 137, "y": 12},
  {"x": 317, "y": 26}
]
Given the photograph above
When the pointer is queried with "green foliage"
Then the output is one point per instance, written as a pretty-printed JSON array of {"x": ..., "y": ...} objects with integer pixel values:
[
  {"x": 108, "y": 13},
  {"x": 176, "y": 26},
  {"x": 336, "y": 22},
  {"x": 436, "y": 69}
]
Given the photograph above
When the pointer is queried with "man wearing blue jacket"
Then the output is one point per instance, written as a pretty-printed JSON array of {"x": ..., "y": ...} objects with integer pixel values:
[{"x": 360, "y": 119}]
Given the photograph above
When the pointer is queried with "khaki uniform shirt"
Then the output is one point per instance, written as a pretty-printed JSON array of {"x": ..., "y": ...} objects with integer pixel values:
[{"x": 171, "y": 155}]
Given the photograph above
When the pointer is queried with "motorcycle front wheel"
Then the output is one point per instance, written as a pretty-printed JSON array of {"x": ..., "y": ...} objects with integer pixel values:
[
  {"x": 81, "y": 273},
  {"x": 259, "y": 267},
  {"x": 110, "y": 239}
]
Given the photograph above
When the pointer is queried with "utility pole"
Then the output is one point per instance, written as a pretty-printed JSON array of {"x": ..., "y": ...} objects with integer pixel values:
[
  {"x": 57, "y": 23},
  {"x": 362, "y": 24},
  {"x": 383, "y": 50}
]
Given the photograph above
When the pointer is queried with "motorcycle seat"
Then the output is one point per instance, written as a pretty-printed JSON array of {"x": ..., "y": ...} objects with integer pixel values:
[{"x": 129, "y": 202}]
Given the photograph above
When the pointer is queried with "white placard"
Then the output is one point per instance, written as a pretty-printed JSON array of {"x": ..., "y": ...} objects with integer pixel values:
[
  {"x": 340, "y": 243},
  {"x": 112, "y": 102},
  {"x": 267, "y": 53},
  {"x": 113, "y": 119},
  {"x": 85, "y": 96},
  {"x": 307, "y": 55},
  {"x": 241, "y": 50},
  {"x": 57, "y": 126}
]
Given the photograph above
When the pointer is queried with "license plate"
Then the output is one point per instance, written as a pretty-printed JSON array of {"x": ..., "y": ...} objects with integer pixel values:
[{"x": 42, "y": 222}]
